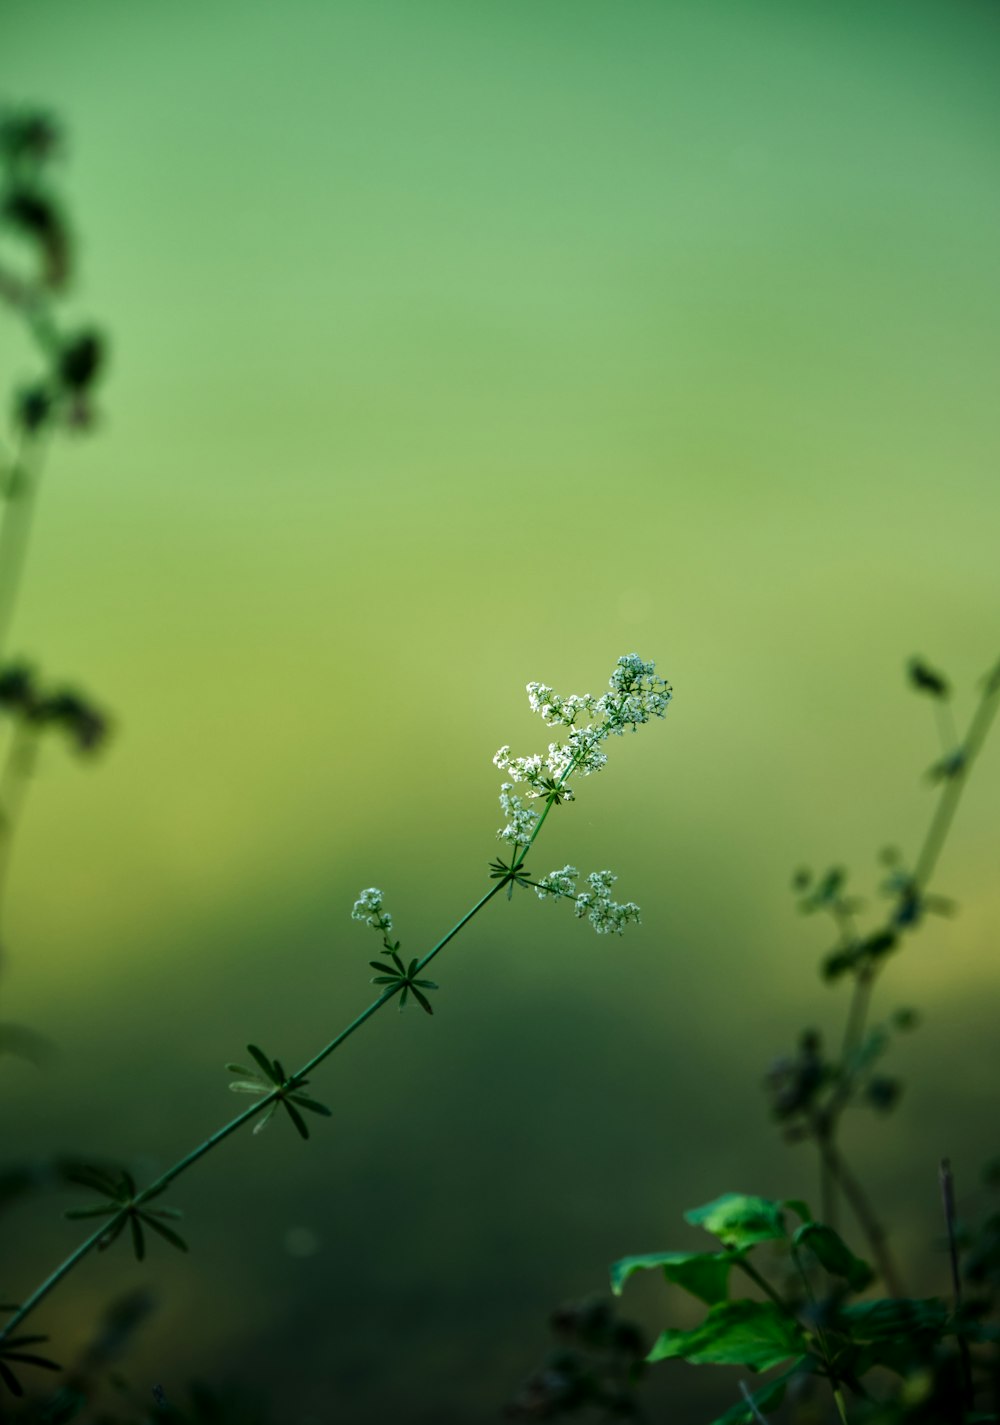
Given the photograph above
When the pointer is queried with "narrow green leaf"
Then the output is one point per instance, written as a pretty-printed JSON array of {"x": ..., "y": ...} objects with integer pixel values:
[
  {"x": 242, "y": 1070},
  {"x": 703, "y": 1274},
  {"x": 833, "y": 1254},
  {"x": 80, "y": 1175},
  {"x": 167, "y": 1233},
  {"x": 296, "y": 1117},
  {"x": 755, "y": 1334},
  {"x": 385, "y": 980},
  {"x": 76, "y": 1214},
  {"x": 254, "y": 1086},
  {"x": 263, "y": 1061},
  {"x": 427, "y": 984},
  {"x": 304, "y": 1102},
  {"x": 112, "y": 1235},
  {"x": 127, "y": 1187},
  {"x": 421, "y": 999},
  {"x": 879, "y": 944},
  {"x": 739, "y": 1220},
  {"x": 384, "y": 969},
  {"x": 269, "y": 1113},
  {"x": 837, "y": 963},
  {"x": 138, "y": 1240},
  {"x": 26, "y": 1359},
  {"x": 926, "y": 680},
  {"x": 10, "y": 1380}
]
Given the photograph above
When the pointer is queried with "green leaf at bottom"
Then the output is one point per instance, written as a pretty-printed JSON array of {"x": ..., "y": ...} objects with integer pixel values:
[
  {"x": 704, "y": 1274},
  {"x": 756, "y": 1334}
]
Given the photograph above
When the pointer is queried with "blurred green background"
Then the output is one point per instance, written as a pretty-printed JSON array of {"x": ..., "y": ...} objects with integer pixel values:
[{"x": 456, "y": 345}]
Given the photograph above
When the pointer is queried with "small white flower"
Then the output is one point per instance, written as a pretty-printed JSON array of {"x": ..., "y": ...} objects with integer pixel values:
[
  {"x": 637, "y": 694},
  {"x": 585, "y": 744},
  {"x": 520, "y": 819},
  {"x": 556, "y": 710},
  {"x": 600, "y": 882},
  {"x": 558, "y": 883},
  {"x": 368, "y": 907}
]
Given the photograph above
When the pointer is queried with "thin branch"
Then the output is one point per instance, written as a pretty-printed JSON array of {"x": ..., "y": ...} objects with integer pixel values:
[
  {"x": 947, "y": 1182},
  {"x": 864, "y": 1212}
]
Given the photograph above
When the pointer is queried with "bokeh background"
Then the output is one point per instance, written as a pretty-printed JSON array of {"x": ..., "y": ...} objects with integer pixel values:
[{"x": 454, "y": 345}]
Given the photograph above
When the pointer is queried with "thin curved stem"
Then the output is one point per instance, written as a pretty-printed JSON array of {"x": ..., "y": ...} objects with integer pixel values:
[
  {"x": 154, "y": 1188},
  {"x": 760, "y": 1280},
  {"x": 14, "y": 780},
  {"x": 833, "y": 1173},
  {"x": 15, "y": 532},
  {"x": 221, "y": 1134},
  {"x": 859, "y": 1204},
  {"x": 937, "y": 833}
]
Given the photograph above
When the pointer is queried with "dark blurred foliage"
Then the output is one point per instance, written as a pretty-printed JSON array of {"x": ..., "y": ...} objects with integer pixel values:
[
  {"x": 33, "y": 215},
  {"x": 592, "y": 1372}
]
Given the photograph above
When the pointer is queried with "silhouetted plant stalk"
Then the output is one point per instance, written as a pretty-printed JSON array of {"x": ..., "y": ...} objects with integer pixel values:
[
  {"x": 947, "y": 1182},
  {"x": 811, "y": 1095},
  {"x": 636, "y": 696},
  {"x": 22, "y": 753},
  {"x": 20, "y": 483},
  {"x": 60, "y": 397}
]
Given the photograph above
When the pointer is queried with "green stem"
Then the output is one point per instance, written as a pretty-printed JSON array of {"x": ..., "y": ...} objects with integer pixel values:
[
  {"x": 833, "y": 1172},
  {"x": 864, "y": 1212},
  {"x": 14, "y": 780},
  {"x": 946, "y": 726},
  {"x": 944, "y": 814},
  {"x": 15, "y": 529},
  {"x": 947, "y": 1183},
  {"x": 761, "y": 1281},
  {"x": 221, "y": 1134},
  {"x": 183, "y": 1164},
  {"x": 821, "y": 1337},
  {"x": 827, "y": 1190},
  {"x": 857, "y": 1014}
]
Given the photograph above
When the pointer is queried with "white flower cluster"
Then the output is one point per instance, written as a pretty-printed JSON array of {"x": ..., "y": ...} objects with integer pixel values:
[
  {"x": 581, "y": 751},
  {"x": 556, "y": 710},
  {"x": 368, "y": 907},
  {"x": 520, "y": 819},
  {"x": 558, "y": 883},
  {"x": 636, "y": 695},
  {"x": 539, "y": 775},
  {"x": 607, "y": 916}
]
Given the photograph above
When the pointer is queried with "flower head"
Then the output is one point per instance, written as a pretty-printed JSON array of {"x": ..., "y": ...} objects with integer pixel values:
[
  {"x": 521, "y": 820},
  {"x": 368, "y": 907}
]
